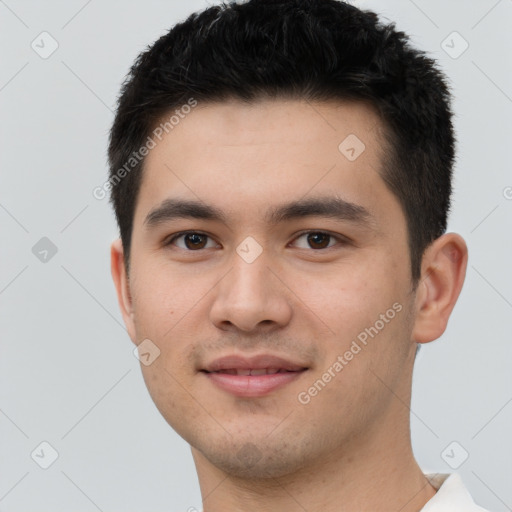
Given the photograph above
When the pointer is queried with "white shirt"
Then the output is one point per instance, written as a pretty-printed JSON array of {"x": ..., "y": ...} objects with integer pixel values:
[{"x": 451, "y": 495}]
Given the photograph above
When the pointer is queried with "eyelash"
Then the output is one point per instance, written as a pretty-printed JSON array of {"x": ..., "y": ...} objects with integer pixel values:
[{"x": 340, "y": 239}]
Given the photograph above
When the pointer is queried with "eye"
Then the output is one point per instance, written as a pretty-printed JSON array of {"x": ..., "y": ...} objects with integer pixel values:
[
  {"x": 317, "y": 240},
  {"x": 191, "y": 241},
  {"x": 195, "y": 241}
]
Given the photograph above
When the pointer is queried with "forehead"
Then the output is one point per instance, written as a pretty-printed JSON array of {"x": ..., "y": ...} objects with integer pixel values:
[
  {"x": 272, "y": 121},
  {"x": 234, "y": 154}
]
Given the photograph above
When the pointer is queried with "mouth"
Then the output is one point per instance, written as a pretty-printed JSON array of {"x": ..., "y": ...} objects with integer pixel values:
[
  {"x": 254, "y": 371},
  {"x": 252, "y": 377}
]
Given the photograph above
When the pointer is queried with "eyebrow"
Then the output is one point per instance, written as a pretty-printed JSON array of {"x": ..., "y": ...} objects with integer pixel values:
[{"x": 331, "y": 207}]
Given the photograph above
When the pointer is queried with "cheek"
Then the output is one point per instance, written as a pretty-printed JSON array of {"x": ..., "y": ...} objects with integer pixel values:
[
  {"x": 365, "y": 309},
  {"x": 165, "y": 384},
  {"x": 161, "y": 300},
  {"x": 350, "y": 296}
]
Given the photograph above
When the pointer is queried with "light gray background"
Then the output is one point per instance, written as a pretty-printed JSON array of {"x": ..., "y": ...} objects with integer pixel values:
[{"x": 68, "y": 375}]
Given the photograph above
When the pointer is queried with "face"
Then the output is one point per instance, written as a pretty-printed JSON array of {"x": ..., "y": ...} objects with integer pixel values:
[{"x": 270, "y": 267}]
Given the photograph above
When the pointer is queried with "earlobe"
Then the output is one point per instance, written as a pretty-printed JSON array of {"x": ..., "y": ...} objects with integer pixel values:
[
  {"x": 443, "y": 271},
  {"x": 122, "y": 285}
]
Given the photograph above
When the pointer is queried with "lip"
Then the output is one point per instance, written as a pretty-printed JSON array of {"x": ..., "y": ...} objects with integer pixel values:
[{"x": 252, "y": 385}]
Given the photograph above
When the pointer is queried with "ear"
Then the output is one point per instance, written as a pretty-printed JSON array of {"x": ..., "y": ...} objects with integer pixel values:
[
  {"x": 122, "y": 285},
  {"x": 443, "y": 270}
]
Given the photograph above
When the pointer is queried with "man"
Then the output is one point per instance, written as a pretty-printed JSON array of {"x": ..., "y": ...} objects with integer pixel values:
[{"x": 281, "y": 177}]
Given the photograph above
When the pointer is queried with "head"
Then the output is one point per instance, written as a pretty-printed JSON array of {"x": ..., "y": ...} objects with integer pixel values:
[
  {"x": 314, "y": 138},
  {"x": 294, "y": 50}
]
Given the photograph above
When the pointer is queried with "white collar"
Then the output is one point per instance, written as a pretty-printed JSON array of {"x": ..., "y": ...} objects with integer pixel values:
[{"x": 451, "y": 496}]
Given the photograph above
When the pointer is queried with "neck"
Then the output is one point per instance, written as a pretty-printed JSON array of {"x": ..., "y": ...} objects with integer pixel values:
[{"x": 377, "y": 472}]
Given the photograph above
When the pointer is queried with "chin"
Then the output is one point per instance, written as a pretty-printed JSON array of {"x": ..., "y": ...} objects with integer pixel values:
[{"x": 259, "y": 460}]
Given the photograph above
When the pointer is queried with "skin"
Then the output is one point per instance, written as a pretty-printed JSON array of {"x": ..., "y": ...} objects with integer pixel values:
[{"x": 349, "y": 448}]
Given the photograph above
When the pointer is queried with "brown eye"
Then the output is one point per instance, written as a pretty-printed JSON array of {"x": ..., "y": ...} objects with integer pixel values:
[
  {"x": 195, "y": 241},
  {"x": 191, "y": 241},
  {"x": 318, "y": 240}
]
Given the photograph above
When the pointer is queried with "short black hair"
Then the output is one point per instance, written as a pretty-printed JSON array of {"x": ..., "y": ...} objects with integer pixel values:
[{"x": 296, "y": 49}]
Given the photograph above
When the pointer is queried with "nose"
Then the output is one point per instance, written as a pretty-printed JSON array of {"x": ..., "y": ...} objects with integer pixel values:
[{"x": 251, "y": 298}]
